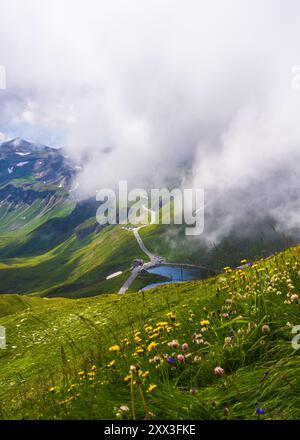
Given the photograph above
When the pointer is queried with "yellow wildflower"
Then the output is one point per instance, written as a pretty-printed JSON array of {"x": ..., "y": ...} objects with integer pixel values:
[
  {"x": 115, "y": 348},
  {"x": 52, "y": 389},
  {"x": 127, "y": 378},
  {"x": 171, "y": 315},
  {"x": 152, "y": 346},
  {"x": 152, "y": 387},
  {"x": 111, "y": 364}
]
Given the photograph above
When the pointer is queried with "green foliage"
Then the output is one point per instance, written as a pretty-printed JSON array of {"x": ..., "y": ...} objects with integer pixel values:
[{"x": 110, "y": 356}]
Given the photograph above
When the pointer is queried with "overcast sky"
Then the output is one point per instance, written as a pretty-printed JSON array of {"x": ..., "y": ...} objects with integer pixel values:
[{"x": 135, "y": 88}]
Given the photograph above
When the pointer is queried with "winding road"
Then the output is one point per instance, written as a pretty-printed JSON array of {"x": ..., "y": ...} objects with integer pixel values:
[{"x": 155, "y": 260}]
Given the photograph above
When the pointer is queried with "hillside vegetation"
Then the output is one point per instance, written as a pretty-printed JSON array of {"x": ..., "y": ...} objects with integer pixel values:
[{"x": 213, "y": 349}]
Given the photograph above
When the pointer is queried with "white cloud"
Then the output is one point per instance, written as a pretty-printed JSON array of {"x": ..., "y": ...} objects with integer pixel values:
[{"x": 138, "y": 87}]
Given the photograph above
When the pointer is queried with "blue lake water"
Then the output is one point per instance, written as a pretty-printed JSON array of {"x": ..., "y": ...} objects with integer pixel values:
[{"x": 175, "y": 274}]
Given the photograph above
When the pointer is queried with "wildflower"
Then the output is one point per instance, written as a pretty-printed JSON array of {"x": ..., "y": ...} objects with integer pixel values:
[
  {"x": 52, "y": 390},
  {"x": 185, "y": 346},
  {"x": 93, "y": 368},
  {"x": 225, "y": 410},
  {"x": 134, "y": 369},
  {"x": 114, "y": 348},
  {"x": 197, "y": 359},
  {"x": 173, "y": 344},
  {"x": 122, "y": 411},
  {"x": 197, "y": 338},
  {"x": 171, "y": 316},
  {"x": 155, "y": 359},
  {"x": 81, "y": 373},
  {"x": 152, "y": 387},
  {"x": 154, "y": 335},
  {"x": 265, "y": 329},
  {"x": 244, "y": 261},
  {"x": 204, "y": 322},
  {"x": 181, "y": 358},
  {"x": 127, "y": 378},
  {"x": 145, "y": 374},
  {"x": 152, "y": 346},
  {"x": 171, "y": 360},
  {"x": 225, "y": 315},
  {"x": 228, "y": 341},
  {"x": 111, "y": 364},
  {"x": 294, "y": 298},
  {"x": 229, "y": 301},
  {"x": 162, "y": 324},
  {"x": 259, "y": 411},
  {"x": 219, "y": 371}
]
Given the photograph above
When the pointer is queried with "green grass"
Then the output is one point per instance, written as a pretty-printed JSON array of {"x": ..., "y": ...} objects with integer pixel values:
[
  {"x": 73, "y": 268},
  {"x": 58, "y": 365}
]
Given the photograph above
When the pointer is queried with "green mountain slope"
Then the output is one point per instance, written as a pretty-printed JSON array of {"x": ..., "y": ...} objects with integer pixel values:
[{"x": 155, "y": 354}]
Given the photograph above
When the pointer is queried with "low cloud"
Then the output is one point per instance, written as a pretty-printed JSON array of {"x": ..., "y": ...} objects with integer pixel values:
[{"x": 140, "y": 90}]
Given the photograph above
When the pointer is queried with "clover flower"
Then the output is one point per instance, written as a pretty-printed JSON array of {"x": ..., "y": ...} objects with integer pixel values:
[
  {"x": 265, "y": 329},
  {"x": 173, "y": 344},
  {"x": 185, "y": 346},
  {"x": 181, "y": 358},
  {"x": 219, "y": 371},
  {"x": 294, "y": 298}
]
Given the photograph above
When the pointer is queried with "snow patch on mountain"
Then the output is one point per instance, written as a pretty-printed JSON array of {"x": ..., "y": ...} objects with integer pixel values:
[
  {"x": 19, "y": 153},
  {"x": 21, "y": 164}
]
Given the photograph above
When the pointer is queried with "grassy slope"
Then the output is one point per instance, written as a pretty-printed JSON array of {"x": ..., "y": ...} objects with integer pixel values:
[
  {"x": 47, "y": 370},
  {"x": 84, "y": 264}
]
